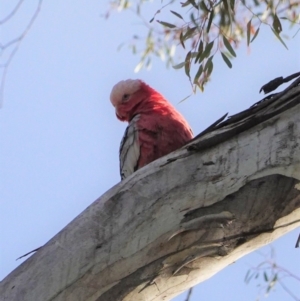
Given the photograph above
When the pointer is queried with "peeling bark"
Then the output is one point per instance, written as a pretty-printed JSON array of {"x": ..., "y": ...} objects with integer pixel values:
[{"x": 179, "y": 220}]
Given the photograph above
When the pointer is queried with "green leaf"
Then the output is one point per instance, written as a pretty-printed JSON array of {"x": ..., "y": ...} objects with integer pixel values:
[
  {"x": 208, "y": 62},
  {"x": 228, "y": 46},
  {"x": 200, "y": 47},
  {"x": 232, "y": 3},
  {"x": 148, "y": 63},
  {"x": 206, "y": 51},
  {"x": 228, "y": 10},
  {"x": 200, "y": 50},
  {"x": 248, "y": 32},
  {"x": 203, "y": 6},
  {"x": 193, "y": 54},
  {"x": 179, "y": 66},
  {"x": 276, "y": 24},
  {"x": 218, "y": 3},
  {"x": 133, "y": 49},
  {"x": 193, "y": 3},
  {"x": 120, "y": 46},
  {"x": 210, "y": 68},
  {"x": 212, "y": 14},
  {"x": 166, "y": 24},
  {"x": 248, "y": 276},
  {"x": 266, "y": 277},
  {"x": 181, "y": 40},
  {"x": 226, "y": 60},
  {"x": 209, "y": 47},
  {"x": 139, "y": 66},
  {"x": 187, "y": 64},
  {"x": 176, "y": 14},
  {"x": 185, "y": 98},
  {"x": 186, "y": 3},
  {"x": 198, "y": 74},
  {"x": 279, "y": 38},
  {"x": 255, "y": 35},
  {"x": 189, "y": 33},
  {"x": 189, "y": 2}
]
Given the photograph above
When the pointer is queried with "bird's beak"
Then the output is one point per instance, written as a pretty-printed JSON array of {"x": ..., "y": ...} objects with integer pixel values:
[{"x": 120, "y": 117}]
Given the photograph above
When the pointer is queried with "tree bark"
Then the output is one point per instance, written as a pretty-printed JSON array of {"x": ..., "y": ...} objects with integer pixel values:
[{"x": 181, "y": 219}]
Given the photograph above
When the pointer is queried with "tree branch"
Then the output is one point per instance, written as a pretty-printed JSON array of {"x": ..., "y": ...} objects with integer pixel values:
[
  {"x": 179, "y": 220},
  {"x": 12, "y": 13}
]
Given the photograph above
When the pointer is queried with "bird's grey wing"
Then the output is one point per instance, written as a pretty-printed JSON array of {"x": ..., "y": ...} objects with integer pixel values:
[{"x": 129, "y": 149}]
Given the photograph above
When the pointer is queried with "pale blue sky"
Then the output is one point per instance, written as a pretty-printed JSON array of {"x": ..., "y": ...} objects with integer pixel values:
[{"x": 59, "y": 136}]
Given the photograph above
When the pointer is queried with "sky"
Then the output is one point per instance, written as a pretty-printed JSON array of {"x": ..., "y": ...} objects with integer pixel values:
[{"x": 59, "y": 137}]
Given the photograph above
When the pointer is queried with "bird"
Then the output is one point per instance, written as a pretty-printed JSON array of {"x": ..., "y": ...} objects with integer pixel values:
[{"x": 155, "y": 128}]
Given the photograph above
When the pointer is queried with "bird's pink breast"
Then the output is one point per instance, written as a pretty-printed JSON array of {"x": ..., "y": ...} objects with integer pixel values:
[{"x": 160, "y": 133}]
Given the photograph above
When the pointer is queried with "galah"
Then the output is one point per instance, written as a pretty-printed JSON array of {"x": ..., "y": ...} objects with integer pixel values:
[{"x": 155, "y": 127}]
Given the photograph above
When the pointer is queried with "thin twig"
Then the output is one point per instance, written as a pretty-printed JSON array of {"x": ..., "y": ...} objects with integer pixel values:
[
  {"x": 297, "y": 242},
  {"x": 189, "y": 294},
  {"x": 12, "y": 13},
  {"x": 288, "y": 291},
  {"x": 12, "y": 54},
  {"x": 29, "y": 253}
]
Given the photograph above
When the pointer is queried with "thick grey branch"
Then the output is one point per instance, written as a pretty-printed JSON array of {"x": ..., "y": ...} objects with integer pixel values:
[{"x": 179, "y": 220}]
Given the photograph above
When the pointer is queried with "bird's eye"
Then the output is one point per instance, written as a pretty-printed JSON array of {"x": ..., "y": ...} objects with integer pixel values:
[{"x": 125, "y": 97}]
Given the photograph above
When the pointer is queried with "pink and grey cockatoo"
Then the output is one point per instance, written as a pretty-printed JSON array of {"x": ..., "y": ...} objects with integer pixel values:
[{"x": 155, "y": 127}]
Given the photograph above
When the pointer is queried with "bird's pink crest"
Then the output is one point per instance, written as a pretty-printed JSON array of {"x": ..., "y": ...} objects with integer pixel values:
[{"x": 123, "y": 87}]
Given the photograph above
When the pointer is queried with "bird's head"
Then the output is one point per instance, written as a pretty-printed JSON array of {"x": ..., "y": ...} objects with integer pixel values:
[{"x": 127, "y": 96}]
